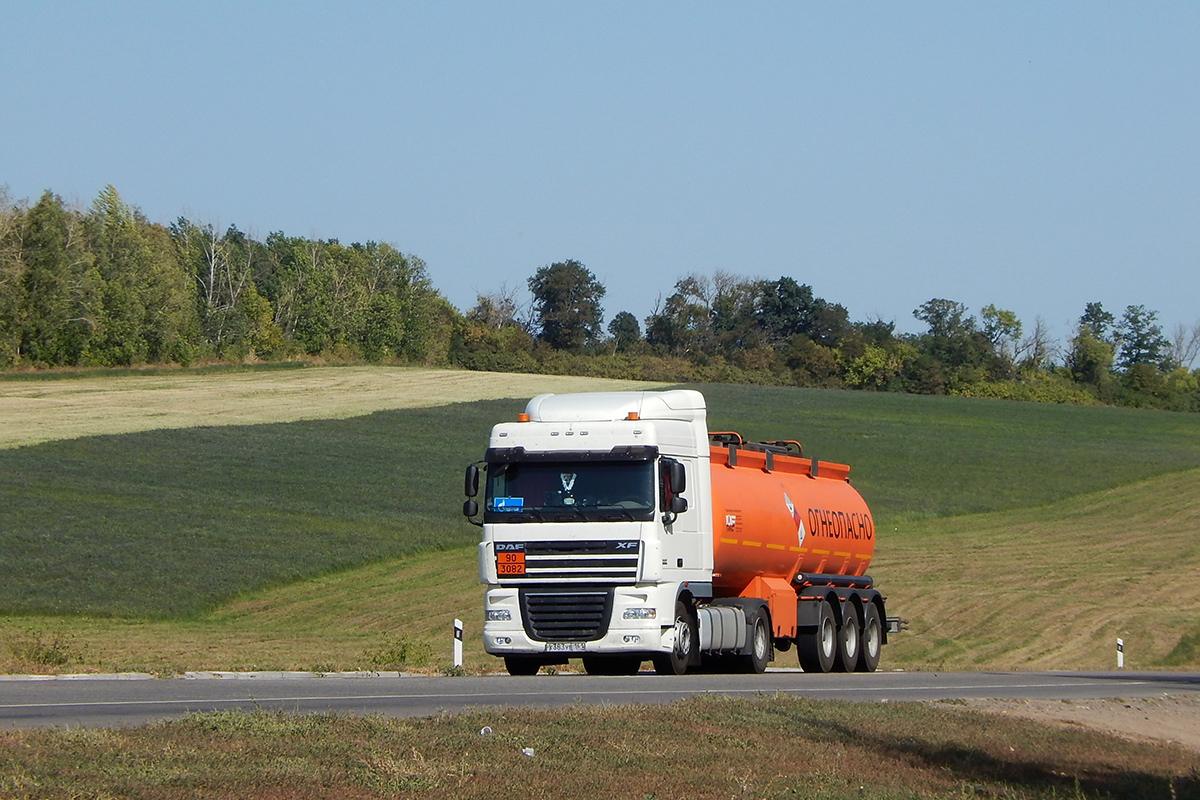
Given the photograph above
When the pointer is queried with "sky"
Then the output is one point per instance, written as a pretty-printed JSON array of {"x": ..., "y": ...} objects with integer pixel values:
[{"x": 1036, "y": 156}]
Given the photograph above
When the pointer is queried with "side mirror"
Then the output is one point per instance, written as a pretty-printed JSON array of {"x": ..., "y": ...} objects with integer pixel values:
[
  {"x": 677, "y": 477},
  {"x": 678, "y": 505},
  {"x": 470, "y": 508},
  {"x": 471, "y": 482}
]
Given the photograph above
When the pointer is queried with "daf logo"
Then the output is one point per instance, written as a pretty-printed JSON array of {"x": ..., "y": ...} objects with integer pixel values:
[
  {"x": 509, "y": 547},
  {"x": 627, "y": 545}
]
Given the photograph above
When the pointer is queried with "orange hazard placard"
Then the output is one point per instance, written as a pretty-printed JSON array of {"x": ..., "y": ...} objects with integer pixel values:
[{"x": 510, "y": 563}]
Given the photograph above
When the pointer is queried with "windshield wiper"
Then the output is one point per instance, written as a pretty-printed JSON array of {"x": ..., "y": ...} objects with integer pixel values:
[{"x": 620, "y": 513}]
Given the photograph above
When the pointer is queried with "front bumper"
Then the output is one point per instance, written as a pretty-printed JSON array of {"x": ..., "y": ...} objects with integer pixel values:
[{"x": 516, "y": 635}]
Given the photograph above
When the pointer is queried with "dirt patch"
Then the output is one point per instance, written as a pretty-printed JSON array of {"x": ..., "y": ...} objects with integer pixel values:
[
  {"x": 1170, "y": 718},
  {"x": 41, "y": 411}
]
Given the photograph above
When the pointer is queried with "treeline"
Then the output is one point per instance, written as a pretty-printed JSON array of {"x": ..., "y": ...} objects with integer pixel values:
[
  {"x": 106, "y": 287},
  {"x": 727, "y": 328}
]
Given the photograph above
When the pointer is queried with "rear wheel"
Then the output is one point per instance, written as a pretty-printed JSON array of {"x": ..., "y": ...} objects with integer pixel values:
[
  {"x": 517, "y": 665},
  {"x": 760, "y": 645},
  {"x": 849, "y": 641},
  {"x": 872, "y": 640},
  {"x": 686, "y": 639},
  {"x": 817, "y": 649}
]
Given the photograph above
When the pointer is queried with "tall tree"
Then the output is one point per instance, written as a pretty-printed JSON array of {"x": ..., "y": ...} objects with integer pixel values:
[
  {"x": 1185, "y": 345},
  {"x": 1035, "y": 351},
  {"x": 1090, "y": 359},
  {"x": 12, "y": 277},
  {"x": 946, "y": 319},
  {"x": 625, "y": 331},
  {"x": 954, "y": 342},
  {"x": 1097, "y": 323},
  {"x": 1140, "y": 338},
  {"x": 682, "y": 324},
  {"x": 733, "y": 311},
  {"x": 787, "y": 308},
  {"x": 63, "y": 290},
  {"x": 1002, "y": 329},
  {"x": 496, "y": 310},
  {"x": 566, "y": 302}
]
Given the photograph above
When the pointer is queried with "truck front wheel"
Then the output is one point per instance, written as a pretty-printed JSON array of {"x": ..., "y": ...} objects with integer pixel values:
[
  {"x": 517, "y": 665},
  {"x": 612, "y": 665},
  {"x": 686, "y": 638}
]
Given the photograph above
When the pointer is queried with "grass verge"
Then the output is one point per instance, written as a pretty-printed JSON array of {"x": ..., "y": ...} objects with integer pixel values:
[{"x": 708, "y": 747}]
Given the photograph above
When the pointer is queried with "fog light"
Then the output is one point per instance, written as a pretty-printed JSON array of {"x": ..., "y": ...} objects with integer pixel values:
[
  {"x": 632, "y": 638},
  {"x": 503, "y": 640},
  {"x": 640, "y": 613},
  {"x": 499, "y": 615}
]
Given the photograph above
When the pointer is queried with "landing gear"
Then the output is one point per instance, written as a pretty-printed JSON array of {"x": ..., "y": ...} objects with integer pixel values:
[{"x": 687, "y": 638}]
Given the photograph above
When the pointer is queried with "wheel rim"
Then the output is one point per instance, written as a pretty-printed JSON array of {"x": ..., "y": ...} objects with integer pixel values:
[
  {"x": 828, "y": 638},
  {"x": 872, "y": 638},
  {"x": 683, "y": 638},
  {"x": 760, "y": 640},
  {"x": 851, "y": 640}
]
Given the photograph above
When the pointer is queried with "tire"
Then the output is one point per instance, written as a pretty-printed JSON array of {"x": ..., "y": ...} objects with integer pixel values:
[
  {"x": 872, "y": 640},
  {"x": 849, "y": 641},
  {"x": 517, "y": 665},
  {"x": 612, "y": 665},
  {"x": 818, "y": 649},
  {"x": 687, "y": 638},
  {"x": 755, "y": 662}
]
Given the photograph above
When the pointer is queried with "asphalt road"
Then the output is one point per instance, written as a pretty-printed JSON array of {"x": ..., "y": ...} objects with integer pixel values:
[{"x": 121, "y": 701}]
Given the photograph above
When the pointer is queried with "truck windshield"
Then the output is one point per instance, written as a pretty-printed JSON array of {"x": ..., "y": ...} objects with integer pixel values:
[{"x": 564, "y": 491}]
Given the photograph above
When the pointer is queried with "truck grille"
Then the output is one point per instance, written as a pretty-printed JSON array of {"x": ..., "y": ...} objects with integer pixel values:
[
  {"x": 590, "y": 562},
  {"x": 568, "y": 615}
]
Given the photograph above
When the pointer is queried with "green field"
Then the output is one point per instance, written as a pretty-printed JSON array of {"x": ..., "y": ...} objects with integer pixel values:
[{"x": 338, "y": 543}]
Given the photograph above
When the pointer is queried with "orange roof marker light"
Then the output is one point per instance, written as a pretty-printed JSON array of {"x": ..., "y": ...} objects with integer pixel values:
[
  {"x": 631, "y": 416},
  {"x": 522, "y": 417}
]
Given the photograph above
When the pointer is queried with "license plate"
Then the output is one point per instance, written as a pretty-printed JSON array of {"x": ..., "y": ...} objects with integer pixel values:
[{"x": 565, "y": 647}]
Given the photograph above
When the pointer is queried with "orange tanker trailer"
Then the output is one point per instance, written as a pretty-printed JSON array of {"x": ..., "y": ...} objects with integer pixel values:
[{"x": 792, "y": 530}]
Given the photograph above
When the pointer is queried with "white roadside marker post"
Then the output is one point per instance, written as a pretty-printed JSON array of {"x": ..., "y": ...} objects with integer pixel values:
[
  {"x": 1120, "y": 654},
  {"x": 458, "y": 642}
]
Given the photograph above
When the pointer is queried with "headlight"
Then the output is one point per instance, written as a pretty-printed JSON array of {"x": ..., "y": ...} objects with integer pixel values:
[
  {"x": 499, "y": 615},
  {"x": 640, "y": 613}
]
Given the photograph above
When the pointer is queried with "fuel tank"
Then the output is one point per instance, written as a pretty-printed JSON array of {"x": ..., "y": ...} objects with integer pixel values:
[{"x": 778, "y": 515}]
